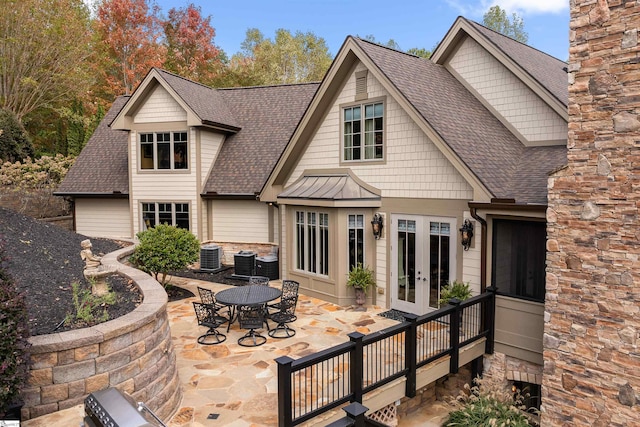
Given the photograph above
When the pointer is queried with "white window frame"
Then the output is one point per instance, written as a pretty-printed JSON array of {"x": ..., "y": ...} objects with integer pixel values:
[
  {"x": 174, "y": 210},
  {"x": 177, "y": 148},
  {"x": 311, "y": 236}
]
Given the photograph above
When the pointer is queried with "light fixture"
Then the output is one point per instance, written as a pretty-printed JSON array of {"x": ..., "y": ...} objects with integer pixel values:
[
  {"x": 466, "y": 233},
  {"x": 376, "y": 225}
]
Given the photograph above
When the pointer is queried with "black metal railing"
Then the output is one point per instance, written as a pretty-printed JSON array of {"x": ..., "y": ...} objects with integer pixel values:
[{"x": 315, "y": 384}]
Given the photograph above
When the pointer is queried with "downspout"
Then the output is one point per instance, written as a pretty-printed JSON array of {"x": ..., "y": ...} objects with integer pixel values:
[{"x": 483, "y": 248}]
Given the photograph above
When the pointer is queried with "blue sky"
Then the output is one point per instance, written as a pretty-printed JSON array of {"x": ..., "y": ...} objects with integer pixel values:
[{"x": 411, "y": 23}]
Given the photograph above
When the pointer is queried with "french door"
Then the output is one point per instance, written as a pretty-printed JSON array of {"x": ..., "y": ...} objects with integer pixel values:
[{"x": 422, "y": 261}]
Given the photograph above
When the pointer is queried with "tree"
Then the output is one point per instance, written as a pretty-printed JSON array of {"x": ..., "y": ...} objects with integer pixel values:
[
  {"x": 420, "y": 51},
  {"x": 15, "y": 144},
  {"x": 128, "y": 45},
  {"x": 302, "y": 57},
  {"x": 496, "y": 19},
  {"x": 163, "y": 249},
  {"x": 44, "y": 47},
  {"x": 191, "y": 52}
]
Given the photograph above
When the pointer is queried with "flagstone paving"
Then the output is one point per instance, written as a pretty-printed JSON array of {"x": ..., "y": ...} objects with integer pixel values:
[{"x": 230, "y": 385}]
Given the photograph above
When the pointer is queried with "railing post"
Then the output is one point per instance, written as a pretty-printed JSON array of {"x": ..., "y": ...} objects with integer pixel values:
[
  {"x": 356, "y": 365},
  {"x": 410, "y": 354},
  {"x": 356, "y": 412},
  {"x": 285, "y": 415},
  {"x": 490, "y": 320},
  {"x": 454, "y": 334}
]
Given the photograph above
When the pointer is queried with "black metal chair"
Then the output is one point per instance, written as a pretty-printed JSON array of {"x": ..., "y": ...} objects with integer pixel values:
[
  {"x": 289, "y": 290},
  {"x": 259, "y": 280},
  {"x": 286, "y": 315},
  {"x": 209, "y": 318},
  {"x": 251, "y": 317},
  {"x": 207, "y": 296}
]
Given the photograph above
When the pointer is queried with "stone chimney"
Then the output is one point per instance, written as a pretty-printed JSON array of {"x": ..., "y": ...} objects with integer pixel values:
[{"x": 592, "y": 320}]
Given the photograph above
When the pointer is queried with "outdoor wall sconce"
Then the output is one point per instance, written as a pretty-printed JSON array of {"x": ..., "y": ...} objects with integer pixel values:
[
  {"x": 376, "y": 225},
  {"x": 466, "y": 233}
]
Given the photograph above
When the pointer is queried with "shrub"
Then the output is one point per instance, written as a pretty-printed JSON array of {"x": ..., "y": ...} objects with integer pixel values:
[
  {"x": 361, "y": 277},
  {"x": 14, "y": 344},
  {"x": 488, "y": 403},
  {"x": 163, "y": 249},
  {"x": 87, "y": 305},
  {"x": 457, "y": 290},
  {"x": 14, "y": 141}
]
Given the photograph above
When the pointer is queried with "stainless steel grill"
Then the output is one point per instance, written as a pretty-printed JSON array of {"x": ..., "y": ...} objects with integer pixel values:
[{"x": 112, "y": 408}]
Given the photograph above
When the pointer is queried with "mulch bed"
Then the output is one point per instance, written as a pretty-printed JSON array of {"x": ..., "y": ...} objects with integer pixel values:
[{"x": 44, "y": 260}]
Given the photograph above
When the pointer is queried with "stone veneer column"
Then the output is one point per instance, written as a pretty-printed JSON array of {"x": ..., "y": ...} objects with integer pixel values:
[{"x": 592, "y": 320}]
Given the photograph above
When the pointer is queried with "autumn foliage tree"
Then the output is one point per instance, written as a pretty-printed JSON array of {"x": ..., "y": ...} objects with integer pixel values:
[
  {"x": 44, "y": 47},
  {"x": 128, "y": 44},
  {"x": 191, "y": 52}
]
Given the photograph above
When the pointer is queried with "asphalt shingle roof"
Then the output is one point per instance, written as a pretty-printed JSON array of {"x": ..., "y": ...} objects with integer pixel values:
[
  {"x": 268, "y": 116},
  {"x": 497, "y": 158},
  {"x": 102, "y": 166}
]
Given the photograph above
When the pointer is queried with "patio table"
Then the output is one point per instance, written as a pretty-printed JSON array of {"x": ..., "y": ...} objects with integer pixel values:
[{"x": 246, "y": 295}]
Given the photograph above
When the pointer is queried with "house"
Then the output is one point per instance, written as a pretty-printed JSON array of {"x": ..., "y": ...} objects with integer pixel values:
[
  {"x": 422, "y": 148},
  {"x": 183, "y": 153}
]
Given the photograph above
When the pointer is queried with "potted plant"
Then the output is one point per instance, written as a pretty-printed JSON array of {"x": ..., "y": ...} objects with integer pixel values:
[
  {"x": 458, "y": 290},
  {"x": 361, "y": 278}
]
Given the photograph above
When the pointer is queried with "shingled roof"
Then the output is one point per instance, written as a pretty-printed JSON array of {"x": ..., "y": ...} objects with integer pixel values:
[
  {"x": 102, "y": 166},
  {"x": 490, "y": 151},
  {"x": 268, "y": 116}
]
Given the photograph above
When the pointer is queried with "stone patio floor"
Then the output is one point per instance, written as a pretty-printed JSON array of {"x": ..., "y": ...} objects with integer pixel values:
[{"x": 230, "y": 385}]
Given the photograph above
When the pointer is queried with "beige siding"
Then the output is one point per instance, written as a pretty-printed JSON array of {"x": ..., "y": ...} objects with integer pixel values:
[
  {"x": 507, "y": 94},
  {"x": 103, "y": 218},
  {"x": 163, "y": 186},
  {"x": 160, "y": 107},
  {"x": 471, "y": 265},
  {"x": 240, "y": 221},
  {"x": 210, "y": 144},
  {"x": 414, "y": 167},
  {"x": 519, "y": 328}
]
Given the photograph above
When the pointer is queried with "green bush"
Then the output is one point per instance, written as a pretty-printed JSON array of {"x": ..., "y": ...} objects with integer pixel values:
[
  {"x": 87, "y": 306},
  {"x": 14, "y": 141},
  {"x": 457, "y": 290},
  {"x": 361, "y": 277},
  {"x": 163, "y": 249},
  {"x": 14, "y": 344},
  {"x": 489, "y": 404}
]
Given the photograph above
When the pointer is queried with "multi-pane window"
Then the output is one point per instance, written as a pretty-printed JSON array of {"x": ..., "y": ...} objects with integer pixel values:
[
  {"x": 163, "y": 150},
  {"x": 356, "y": 240},
  {"x": 363, "y": 133},
  {"x": 518, "y": 263},
  {"x": 165, "y": 213},
  {"x": 312, "y": 242}
]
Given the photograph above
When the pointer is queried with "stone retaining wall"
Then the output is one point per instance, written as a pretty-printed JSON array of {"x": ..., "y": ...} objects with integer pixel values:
[{"x": 132, "y": 353}]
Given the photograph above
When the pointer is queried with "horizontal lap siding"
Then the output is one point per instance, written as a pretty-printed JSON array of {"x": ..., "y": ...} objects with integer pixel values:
[
  {"x": 240, "y": 221},
  {"x": 103, "y": 218},
  {"x": 414, "y": 166},
  {"x": 507, "y": 94}
]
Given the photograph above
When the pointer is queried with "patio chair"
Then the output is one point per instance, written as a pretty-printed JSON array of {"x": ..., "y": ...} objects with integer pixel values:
[
  {"x": 207, "y": 296},
  {"x": 251, "y": 317},
  {"x": 289, "y": 290},
  {"x": 286, "y": 315},
  {"x": 259, "y": 280},
  {"x": 209, "y": 318}
]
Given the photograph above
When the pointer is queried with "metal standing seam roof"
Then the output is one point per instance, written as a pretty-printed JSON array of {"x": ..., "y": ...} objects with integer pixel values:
[{"x": 328, "y": 187}]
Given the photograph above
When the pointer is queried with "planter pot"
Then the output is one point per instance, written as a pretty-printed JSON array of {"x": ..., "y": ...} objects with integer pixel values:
[{"x": 361, "y": 298}]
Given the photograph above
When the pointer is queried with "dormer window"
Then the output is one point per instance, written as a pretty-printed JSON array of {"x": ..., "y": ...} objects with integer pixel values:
[
  {"x": 363, "y": 132},
  {"x": 163, "y": 150}
]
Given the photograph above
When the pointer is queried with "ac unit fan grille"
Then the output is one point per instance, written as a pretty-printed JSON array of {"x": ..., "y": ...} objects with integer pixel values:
[{"x": 210, "y": 258}]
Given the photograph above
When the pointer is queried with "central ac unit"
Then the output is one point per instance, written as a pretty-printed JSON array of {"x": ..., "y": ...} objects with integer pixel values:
[{"x": 210, "y": 257}]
